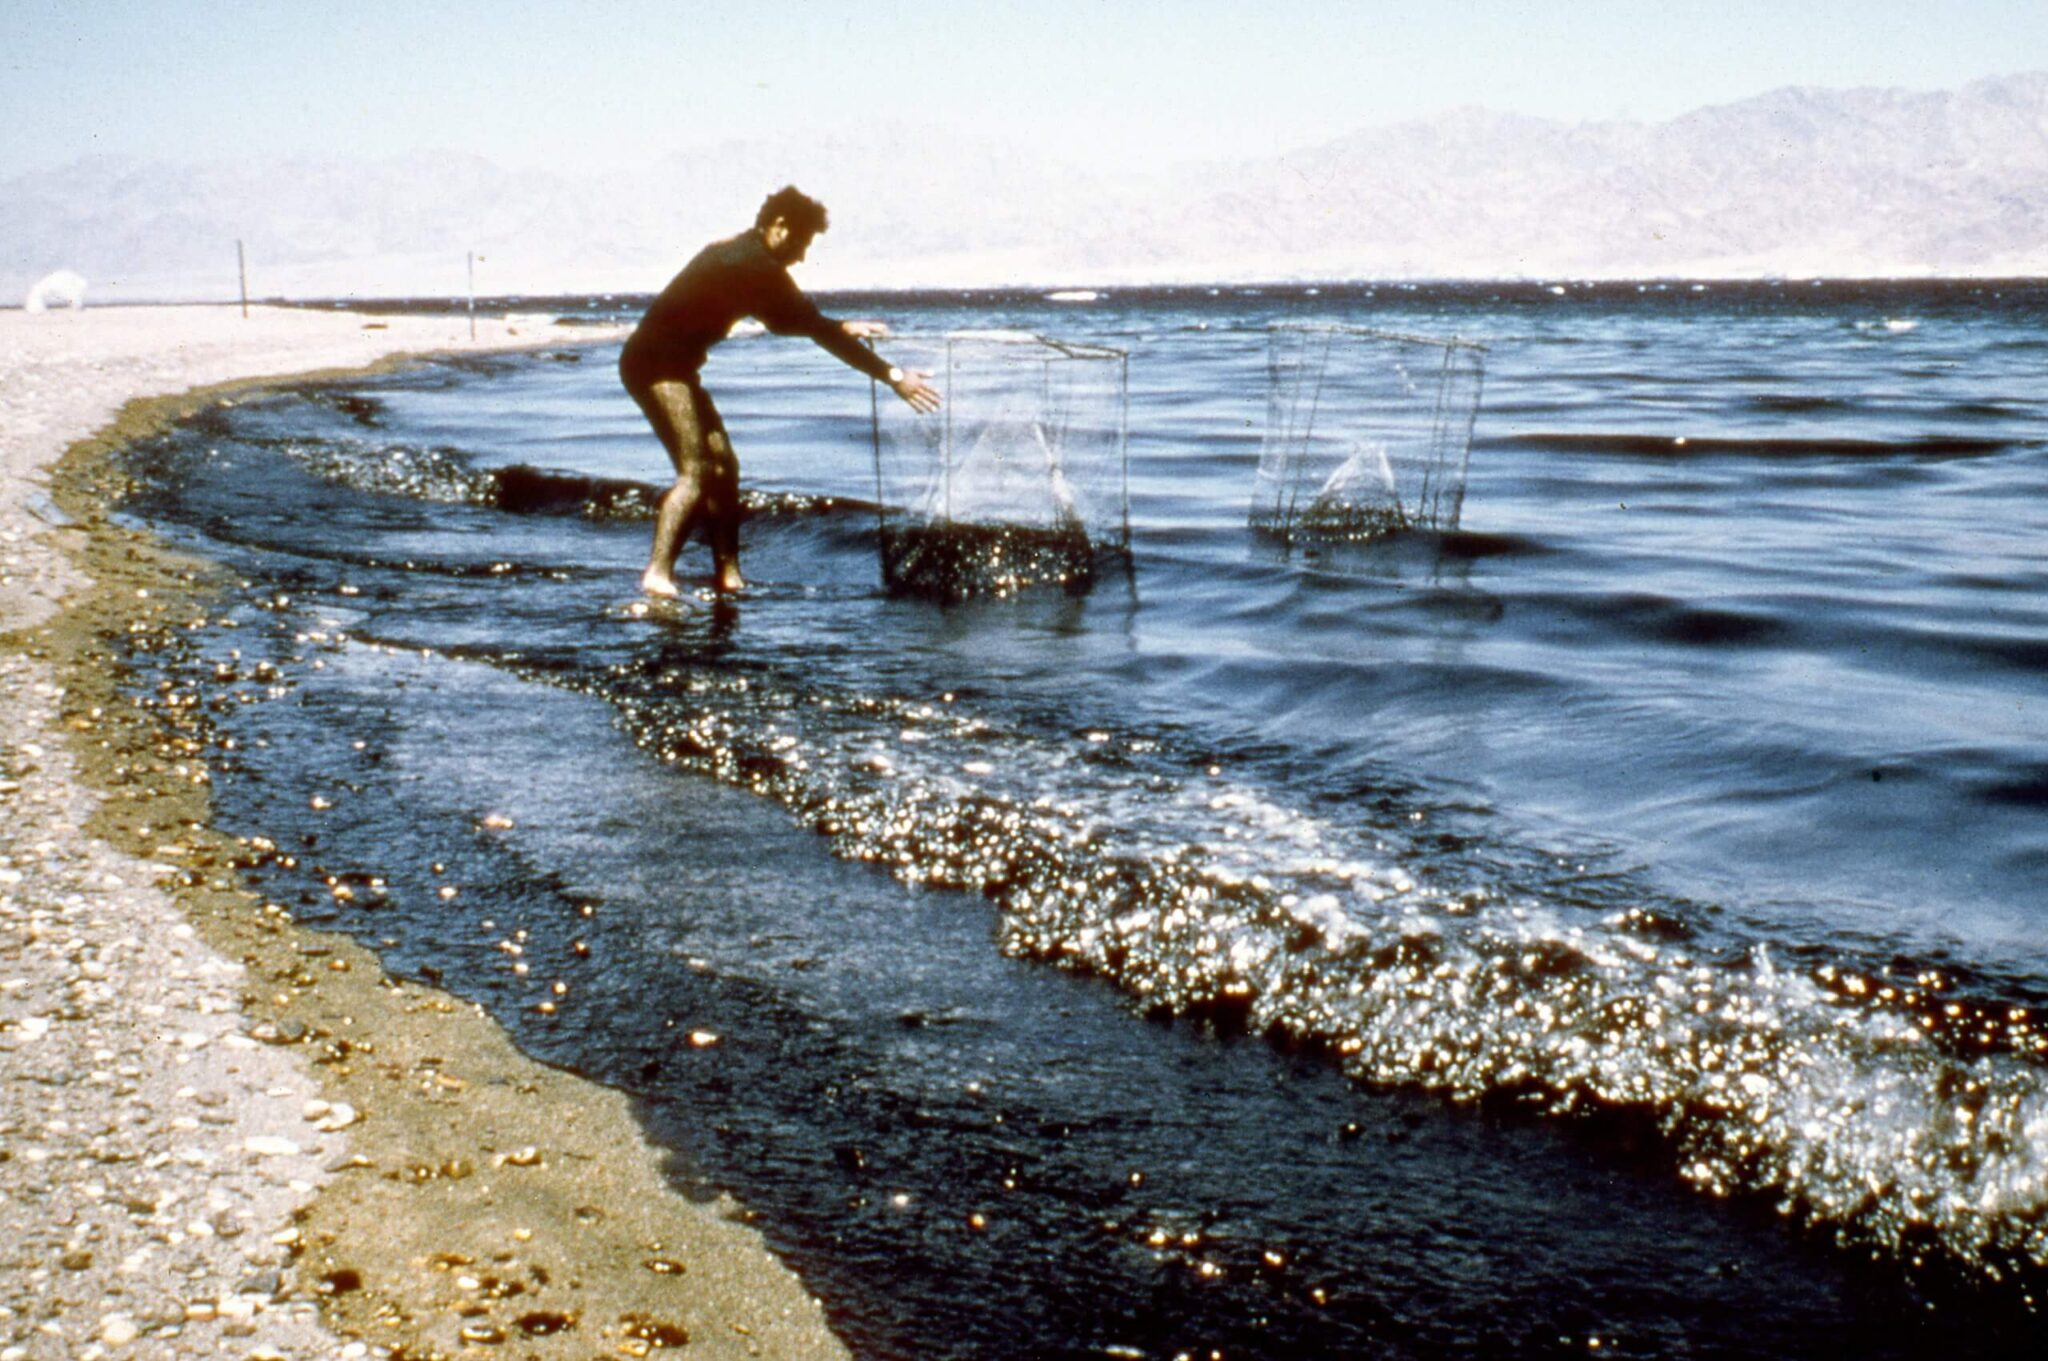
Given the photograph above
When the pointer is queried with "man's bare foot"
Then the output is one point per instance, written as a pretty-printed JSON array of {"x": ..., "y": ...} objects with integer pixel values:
[
  {"x": 730, "y": 582},
  {"x": 658, "y": 583}
]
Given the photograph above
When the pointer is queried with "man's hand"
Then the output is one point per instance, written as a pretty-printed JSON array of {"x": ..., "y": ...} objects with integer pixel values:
[
  {"x": 865, "y": 330},
  {"x": 921, "y": 395}
]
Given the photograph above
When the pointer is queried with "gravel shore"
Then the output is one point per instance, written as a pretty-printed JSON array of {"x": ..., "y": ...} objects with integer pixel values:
[{"x": 221, "y": 1134}]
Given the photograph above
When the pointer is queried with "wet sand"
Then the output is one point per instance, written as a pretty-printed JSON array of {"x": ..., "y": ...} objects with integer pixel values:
[{"x": 222, "y": 1134}]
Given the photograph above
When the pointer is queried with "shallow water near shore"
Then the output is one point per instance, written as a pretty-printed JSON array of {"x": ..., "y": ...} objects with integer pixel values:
[{"x": 1615, "y": 921}]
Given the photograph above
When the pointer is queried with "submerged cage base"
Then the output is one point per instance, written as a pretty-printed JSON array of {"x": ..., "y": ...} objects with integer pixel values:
[{"x": 952, "y": 561}]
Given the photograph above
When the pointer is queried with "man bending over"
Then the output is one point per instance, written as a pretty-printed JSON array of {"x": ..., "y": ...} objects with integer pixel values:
[{"x": 745, "y": 276}]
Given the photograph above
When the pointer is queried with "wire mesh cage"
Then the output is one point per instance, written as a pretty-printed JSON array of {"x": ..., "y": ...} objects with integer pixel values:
[
  {"x": 1368, "y": 433},
  {"x": 1020, "y": 480}
]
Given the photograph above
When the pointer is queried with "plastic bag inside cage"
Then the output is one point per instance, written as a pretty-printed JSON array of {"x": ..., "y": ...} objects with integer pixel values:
[
  {"x": 1367, "y": 432},
  {"x": 1020, "y": 480}
]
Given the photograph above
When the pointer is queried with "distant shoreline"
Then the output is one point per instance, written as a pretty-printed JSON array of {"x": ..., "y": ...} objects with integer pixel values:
[
  {"x": 1532, "y": 291},
  {"x": 1539, "y": 288},
  {"x": 1794, "y": 182}
]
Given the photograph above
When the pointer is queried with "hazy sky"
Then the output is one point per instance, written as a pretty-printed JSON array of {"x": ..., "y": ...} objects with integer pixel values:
[{"x": 1103, "y": 82}]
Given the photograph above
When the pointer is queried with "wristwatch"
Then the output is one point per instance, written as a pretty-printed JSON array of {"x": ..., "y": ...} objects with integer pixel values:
[{"x": 894, "y": 376}]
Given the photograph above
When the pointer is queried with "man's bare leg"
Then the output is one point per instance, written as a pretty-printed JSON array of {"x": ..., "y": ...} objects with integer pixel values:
[
  {"x": 721, "y": 502},
  {"x": 677, "y": 513},
  {"x": 706, "y": 486}
]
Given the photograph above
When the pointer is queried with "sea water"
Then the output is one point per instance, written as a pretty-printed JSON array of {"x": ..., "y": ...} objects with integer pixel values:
[{"x": 1613, "y": 927}]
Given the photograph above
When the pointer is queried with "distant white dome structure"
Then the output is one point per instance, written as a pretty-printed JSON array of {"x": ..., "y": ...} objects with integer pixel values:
[{"x": 64, "y": 288}]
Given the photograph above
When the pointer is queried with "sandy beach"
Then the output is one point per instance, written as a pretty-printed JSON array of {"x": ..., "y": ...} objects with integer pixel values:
[{"x": 222, "y": 1134}]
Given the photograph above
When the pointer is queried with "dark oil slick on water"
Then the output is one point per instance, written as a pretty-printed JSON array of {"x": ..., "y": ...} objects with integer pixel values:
[{"x": 1611, "y": 927}]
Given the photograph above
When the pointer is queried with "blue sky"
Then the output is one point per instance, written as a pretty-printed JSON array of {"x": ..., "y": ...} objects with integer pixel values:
[{"x": 1107, "y": 83}]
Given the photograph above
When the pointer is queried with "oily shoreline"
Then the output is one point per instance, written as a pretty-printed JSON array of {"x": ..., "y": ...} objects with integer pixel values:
[{"x": 435, "y": 1192}]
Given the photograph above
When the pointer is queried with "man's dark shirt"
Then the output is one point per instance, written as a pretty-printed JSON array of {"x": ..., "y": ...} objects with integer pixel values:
[{"x": 726, "y": 281}]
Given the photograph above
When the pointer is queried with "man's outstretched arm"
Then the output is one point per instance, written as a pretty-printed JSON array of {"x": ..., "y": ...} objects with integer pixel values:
[
  {"x": 793, "y": 313},
  {"x": 843, "y": 338},
  {"x": 912, "y": 386}
]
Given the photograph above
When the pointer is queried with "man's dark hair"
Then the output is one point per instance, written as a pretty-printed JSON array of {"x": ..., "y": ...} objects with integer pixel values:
[{"x": 804, "y": 214}]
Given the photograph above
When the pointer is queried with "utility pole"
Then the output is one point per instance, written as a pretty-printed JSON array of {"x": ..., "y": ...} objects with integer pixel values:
[
  {"x": 472, "y": 295},
  {"x": 242, "y": 268}
]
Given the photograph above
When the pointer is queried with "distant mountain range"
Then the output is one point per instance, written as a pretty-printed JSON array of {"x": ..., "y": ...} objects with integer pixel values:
[{"x": 1798, "y": 183}]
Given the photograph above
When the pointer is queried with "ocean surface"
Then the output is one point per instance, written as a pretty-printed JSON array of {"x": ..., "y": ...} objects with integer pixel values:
[{"x": 1611, "y": 926}]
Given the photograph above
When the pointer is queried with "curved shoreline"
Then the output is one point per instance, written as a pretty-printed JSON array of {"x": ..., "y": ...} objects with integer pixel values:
[{"x": 224, "y": 1133}]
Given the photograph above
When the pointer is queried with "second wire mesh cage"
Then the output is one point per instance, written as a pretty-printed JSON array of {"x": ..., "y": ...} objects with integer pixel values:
[
  {"x": 1368, "y": 433},
  {"x": 1021, "y": 480}
]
